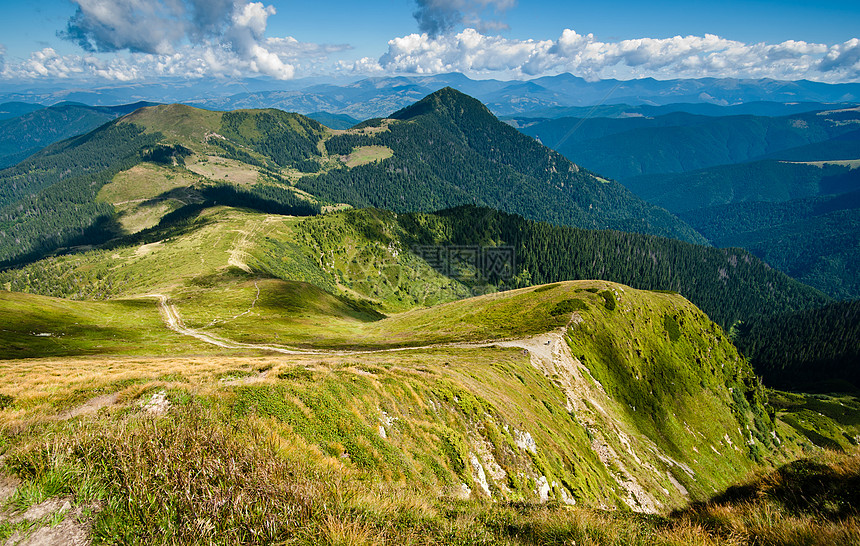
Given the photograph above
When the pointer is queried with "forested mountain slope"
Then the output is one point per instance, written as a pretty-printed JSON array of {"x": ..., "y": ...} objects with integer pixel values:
[
  {"x": 448, "y": 150},
  {"x": 814, "y": 239},
  {"x": 813, "y": 350},
  {"x": 28, "y": 132},
  {"x": 762, "y": 181}
]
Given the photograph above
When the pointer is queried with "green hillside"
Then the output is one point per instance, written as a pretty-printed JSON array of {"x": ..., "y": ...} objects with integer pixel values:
[
  {"x": 448, "y": 150},
  {"x": 313, "y": 379}
]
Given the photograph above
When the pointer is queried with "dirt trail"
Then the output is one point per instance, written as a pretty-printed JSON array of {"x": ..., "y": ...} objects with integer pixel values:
[
  {"x": 174, "y": 321},
  {"x": 92, "y": 405}
]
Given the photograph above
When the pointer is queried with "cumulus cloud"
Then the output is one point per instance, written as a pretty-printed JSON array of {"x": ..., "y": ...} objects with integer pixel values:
[
  {"x": 436, "y": 17},
  {"x": 842, "y": 58},
  {"x": 137, "y": 25},
  {"x": 208, "y": 30},
  {"x": 279, "y": 57},
  {"x": 246, "y": 32},
  {"x": 470, "y": 51}
]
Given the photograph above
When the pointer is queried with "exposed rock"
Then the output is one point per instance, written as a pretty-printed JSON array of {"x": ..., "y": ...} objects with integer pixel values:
[
  {"x": 157, "y": 404},
  {"x": 543, "y": 489},
  {"x": 479, "y": 474},
  {"x": 525, "y": 441}
]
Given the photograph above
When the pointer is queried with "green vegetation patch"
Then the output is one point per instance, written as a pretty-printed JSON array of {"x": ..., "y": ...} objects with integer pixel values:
[
  {"x": 568, "y": 306},
  {"x": 320, "y": 417},
  {"x": 830, "y": 421},
  {"x": 546, "y": 287},
  {"x": 608, "y": 300},
  {"x": 670, "y": 323}
]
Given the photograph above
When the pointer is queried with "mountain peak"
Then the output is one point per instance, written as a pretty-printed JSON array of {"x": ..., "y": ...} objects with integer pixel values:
[{"x": 446, "y": 102}]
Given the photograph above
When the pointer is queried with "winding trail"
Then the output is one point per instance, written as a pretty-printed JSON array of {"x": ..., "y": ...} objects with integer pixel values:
[
  {"x": 540, "y": 343},
  {"x": 174, "y": 321}
]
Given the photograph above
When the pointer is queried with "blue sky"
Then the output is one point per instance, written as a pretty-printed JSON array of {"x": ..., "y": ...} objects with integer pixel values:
[{"x": 146, "y": 40}]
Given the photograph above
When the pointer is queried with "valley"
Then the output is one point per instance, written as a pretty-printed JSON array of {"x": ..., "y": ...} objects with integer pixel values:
[{"x": 247, "y": 327}]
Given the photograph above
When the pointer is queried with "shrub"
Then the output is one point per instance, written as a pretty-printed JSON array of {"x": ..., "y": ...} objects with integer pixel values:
[
  {"x": 568, "y": 306},
  {"x": 608, "y": 300},
  {"x": 670, "y": 323}
]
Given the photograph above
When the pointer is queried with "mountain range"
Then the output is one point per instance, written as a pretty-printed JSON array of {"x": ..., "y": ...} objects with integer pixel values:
[
  {"x": 376, "y": 97},
  {"x": 446, "y": 150}
]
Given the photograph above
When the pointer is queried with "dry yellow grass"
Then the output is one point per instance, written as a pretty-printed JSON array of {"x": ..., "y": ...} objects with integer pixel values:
[
  {"x": 367, "y": 154},
  {"x": 224, "y": 170}
]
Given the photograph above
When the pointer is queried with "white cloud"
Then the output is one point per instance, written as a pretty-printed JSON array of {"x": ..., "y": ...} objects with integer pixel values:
[
  {"x": 149, "y": 26},
  {"x": 467, "y": 51},
  {"x": 247, "y": 29},
  {"x": 230, "y": 41},
  {"x": 210, "y": 36},
  {"x": 472, "y": 52},
  {"x": 843, "y": 59},
  {"x": 275, "y": 57}
]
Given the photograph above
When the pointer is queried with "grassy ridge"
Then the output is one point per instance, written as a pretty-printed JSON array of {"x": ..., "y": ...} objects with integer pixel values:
[
  {"x": 37, "y": 326},
  {"x": 680, "y": 367},
  {"x": 369, "y": 255}
]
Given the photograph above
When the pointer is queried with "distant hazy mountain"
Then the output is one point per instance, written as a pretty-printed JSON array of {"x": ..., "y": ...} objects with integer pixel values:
[
  {"x": 679, "y": 142},
  {"x": 375, "y": 97},
  {"x": 756, "y": 108},
  {"x": 15, "y": 109}
]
